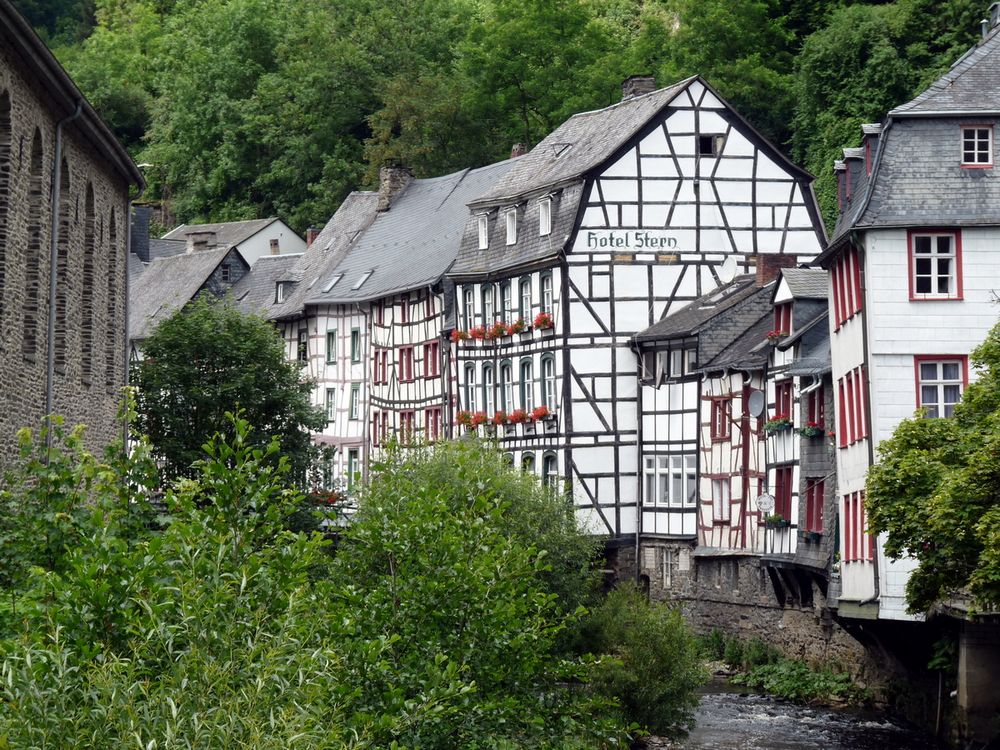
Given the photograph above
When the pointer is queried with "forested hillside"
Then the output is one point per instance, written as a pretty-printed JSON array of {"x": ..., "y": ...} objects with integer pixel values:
[{"x": 245, "y": 108}]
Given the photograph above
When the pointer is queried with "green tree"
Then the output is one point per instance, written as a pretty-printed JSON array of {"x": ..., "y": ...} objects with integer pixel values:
[
  {"x": 209, "y": 359},
  {"x": 936, "y": 492}
]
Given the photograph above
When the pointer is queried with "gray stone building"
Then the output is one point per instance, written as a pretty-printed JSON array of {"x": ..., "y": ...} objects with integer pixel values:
[{"x": 64, "y": 196}]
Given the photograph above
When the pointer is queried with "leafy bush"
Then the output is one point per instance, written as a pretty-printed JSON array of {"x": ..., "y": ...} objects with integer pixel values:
[
  {"x": 653, "y": 665},
  {"x": 799, "y": 682}
]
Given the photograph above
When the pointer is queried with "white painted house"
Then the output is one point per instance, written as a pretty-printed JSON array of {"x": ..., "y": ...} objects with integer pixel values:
[
  {"x": 252, "y": 239},
  {"x": 914, "y": 268}
]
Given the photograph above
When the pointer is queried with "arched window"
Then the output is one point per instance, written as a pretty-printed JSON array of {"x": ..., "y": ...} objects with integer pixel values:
[
  {"x": 506, "y": 387},
  {"x": 524, "y": 292},
  {"x": 62, "y": 269},
  {"x": 33, "y": 251},
  {"x": 547, "y": 293},
  {"x": 508, "y": 458},
  {"x": 470, "y": 387},
  {"x": 110, "y": 362},
  {"x": 87, "y": 291},
  {"x": 488, "y": 295},
  {"x": 527, "y": 386},
  {"x": 489, "y": 400},
  {"x": 468, "y": 309},
  {"x": 550, "y": 469},
  {"x": 549, "y": 381},
  {"x": 506, "y": 303},
  {"x": 5, "y": 174},
  {"x": 528, "y": 463}
]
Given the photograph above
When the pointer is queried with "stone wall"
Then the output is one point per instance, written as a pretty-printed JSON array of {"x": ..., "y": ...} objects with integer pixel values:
[{"x": 91, "y": 268}]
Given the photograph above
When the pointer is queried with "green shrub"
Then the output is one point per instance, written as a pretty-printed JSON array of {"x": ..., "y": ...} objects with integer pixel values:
[
  {"x": 713, "y": 645},
  {"x": 733, "y": 653},
  {"x": 651, "y": 661},
  {"x": 799, "y": 682}
]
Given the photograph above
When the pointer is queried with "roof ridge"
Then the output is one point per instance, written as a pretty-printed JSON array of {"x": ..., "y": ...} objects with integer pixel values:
[{"x": 631, "y": 99}]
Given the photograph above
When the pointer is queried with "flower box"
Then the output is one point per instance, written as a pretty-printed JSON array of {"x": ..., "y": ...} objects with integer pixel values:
[
  {"x": 782, "y": 524},
  {"x": 777, "y": 423},
  {"x": 813, "y": 536},
  {"x": 811, "y": 430},
  {"x": 775, "y": 336},
  {"x": 543, "y": 322}
]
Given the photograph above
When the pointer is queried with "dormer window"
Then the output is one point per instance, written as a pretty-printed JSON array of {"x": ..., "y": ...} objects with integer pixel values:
[
  {"x": 977, "y": 146},
  {"x": 511, "y": 219},
  {"x": 484, "y": 231},
  {"x": 279, "y": 292},
  {"x": 544, "y": 217},
  {"x": 226, "y": 273}
]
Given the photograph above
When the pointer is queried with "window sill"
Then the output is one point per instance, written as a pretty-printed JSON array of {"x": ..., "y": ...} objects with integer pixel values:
[
  {"x": 976, "y": 166},
  {"x": 934, "y": 298}
]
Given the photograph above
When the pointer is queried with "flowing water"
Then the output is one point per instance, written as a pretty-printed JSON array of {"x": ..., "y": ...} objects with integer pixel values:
[{"x": 728, "y": 720}]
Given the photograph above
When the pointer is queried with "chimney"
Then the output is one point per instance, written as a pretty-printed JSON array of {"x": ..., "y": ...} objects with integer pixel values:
[
  {"x": 311, "y": 234},
  {"x": 393, "y": 178},
  {"x": 637, "y": 86},
  {"x": 518, "y": 149},
  {"x": 197, "y": 241},
  {"x": 275, "y": 247},
  {"x": 141, "y": 215},
  {"x": 769, "y": 264}
]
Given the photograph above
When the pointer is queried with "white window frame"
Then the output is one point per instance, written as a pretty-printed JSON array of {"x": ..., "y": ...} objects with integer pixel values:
[
  {"x": 470, "y": 387},
  {"x": 935, "y": 257},
  {"x": 331, "y": 404},
  {"x": 526, "y": 370},
  {"x": 547, "y": 300},
  {"x": 489, "y": 304},
  {"x": 550, "y": 469},
  {"x": 469, "y": 308},
  {"x": 507, "y": 386},
  {"x": 940, "y": 405},
  {"x": 489, "y": 398},
  {"x": 510, "y": 220},
  {"x": 975, "y": 145},
  {"x": 331, "y": 346},
  {"x": 544, "y": 217},
  {"x": 670, "y": 480},
  {"x": 354, "y": 405},
  {"x": 722, "y": 498},
  {"x": 355, "y": 345},
  {"x": 549, "y": 382},
  {"x": 526, "y": 296},
  {"x": 353, "y": 459},
  {"x": 279, "y": 291},
  {"x": 483, "y": 224}
]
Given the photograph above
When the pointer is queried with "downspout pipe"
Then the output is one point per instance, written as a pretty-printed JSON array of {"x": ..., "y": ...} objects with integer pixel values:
[
  {"x": 50, "y": 355},
  {"x": 128, "y": 341}
]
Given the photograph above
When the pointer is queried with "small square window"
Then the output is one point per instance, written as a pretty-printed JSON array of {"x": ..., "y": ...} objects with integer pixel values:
[
  {"x": 977, "y": 146},
  {"x": 934, "y": 266},
  {"x": 710, "y": 145},
  {"x": 484, "y": 231},
  {"x": 940, "y": 385}
]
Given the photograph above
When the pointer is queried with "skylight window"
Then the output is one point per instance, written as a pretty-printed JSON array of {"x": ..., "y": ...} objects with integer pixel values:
[
  {"x": 332, "y": 282},
  {"x": 363, "y": 279}
]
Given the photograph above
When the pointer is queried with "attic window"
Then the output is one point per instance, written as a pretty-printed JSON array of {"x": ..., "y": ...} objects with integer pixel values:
[
  {"x": 977, "y": 146},
  {"x": 363, "y": 279},
  {"x": 484, "y": 231},
  {"x": 279, "y": 292},
  {"x": 544, "y": 217},
  {"x": 511, "y": 219},
  {"x": 226, "y": 273},
  {"x": 332, "y": 282},
  {"x": 710, "y": 145}
]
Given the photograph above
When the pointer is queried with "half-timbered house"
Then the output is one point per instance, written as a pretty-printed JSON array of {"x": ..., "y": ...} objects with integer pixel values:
[
  {"x": 913, "y": 268},
  {"x": 616, "y": 219}
]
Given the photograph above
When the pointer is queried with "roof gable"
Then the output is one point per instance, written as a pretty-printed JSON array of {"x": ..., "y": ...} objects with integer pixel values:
[{"x": 227, "y": 233}]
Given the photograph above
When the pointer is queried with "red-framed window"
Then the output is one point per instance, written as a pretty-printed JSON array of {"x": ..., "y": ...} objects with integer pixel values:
[
  {"x": 941, "y": 380},
  {"x": 815, "y": 495},
  {"x": 783, "y": 317},
  {"x": 404, "y": 310},
  {"x": 432, "y": 423},
  {"x": 722, "y": 418},
  {"x": 380, "y": 366},
  {"x": 380, "y": 427},
  {"x": 816, "y": 407},
  {"x": 783, "y": 399},
  {"x": 380, "y": 313},
  {"x": 935, "y": 260},
  {"x": 406, "y": 421},
  {"x": 852, "y": 391},
  {"x": 432, "y": 359},
  {"x": 405, "y": 364},
  {"x": 977, "y": 146},
  {"x": 859, "y": 545},
  {"x": 429, "y": 306},
  {"x": 783, "y": 492},
  {"x": 846, "y": 276}
]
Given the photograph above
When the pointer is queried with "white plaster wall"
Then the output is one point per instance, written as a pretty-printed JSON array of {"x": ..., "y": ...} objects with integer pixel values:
[{"x": 260, "y": 244}]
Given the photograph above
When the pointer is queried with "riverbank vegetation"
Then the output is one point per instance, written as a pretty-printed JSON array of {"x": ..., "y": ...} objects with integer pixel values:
[
  {"x": 759, "y": 665},
  {"x": 459, "y": 609}
]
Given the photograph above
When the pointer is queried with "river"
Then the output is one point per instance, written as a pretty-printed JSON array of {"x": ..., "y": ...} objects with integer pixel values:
[{"x": 729, "y": 720}]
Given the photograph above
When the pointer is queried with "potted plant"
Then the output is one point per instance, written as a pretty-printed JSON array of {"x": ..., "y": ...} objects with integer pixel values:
[
  {"x": 540, "y": 412},
  {"x": 478, "y": 333},
  {"x": 497, "y": 330},
  {"x": 458, "y": 335},
  {"x": 813, "y": 536},
  {"x": 518, "y": 326},
  {"x": 776, "y": 521},
  {"x": 464, "y": 418},
  {"x": 778, "y": 423},
  {"x": 477, "y": 419},
  {"x": 776, "y": 335},
  {"x": 518, "y": 416},
  {"x": 811, "y": 430},
  {"x": 543, "y": 321}
]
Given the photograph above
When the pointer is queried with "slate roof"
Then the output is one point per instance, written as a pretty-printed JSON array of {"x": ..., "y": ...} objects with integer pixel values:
[
  {"x": 806, "y": 283},
  {"x": 971, "y": 85},
  {"x": 255, "y": 292},
  {"x": 691, "y": 319},
  {"x": 227, "y": 233},
  {"x": 814, "y": 352},
  {"x": 917, "y": 179},
  {"x": 411, "y": 245},
  {"x": 530, "y": 250},
  {"x": 166, "y": 285},
  {"x": 165, "y": 248},
  {"x": 135, "y": 268},
  {"x": 581, "y": 143},
  {"x": 746, "y": 350}
]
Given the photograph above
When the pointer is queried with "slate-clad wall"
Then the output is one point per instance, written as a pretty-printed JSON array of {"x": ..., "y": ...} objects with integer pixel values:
[
  {"x": 92, "y": 399},
  {"x": 816, "y": 459}
]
